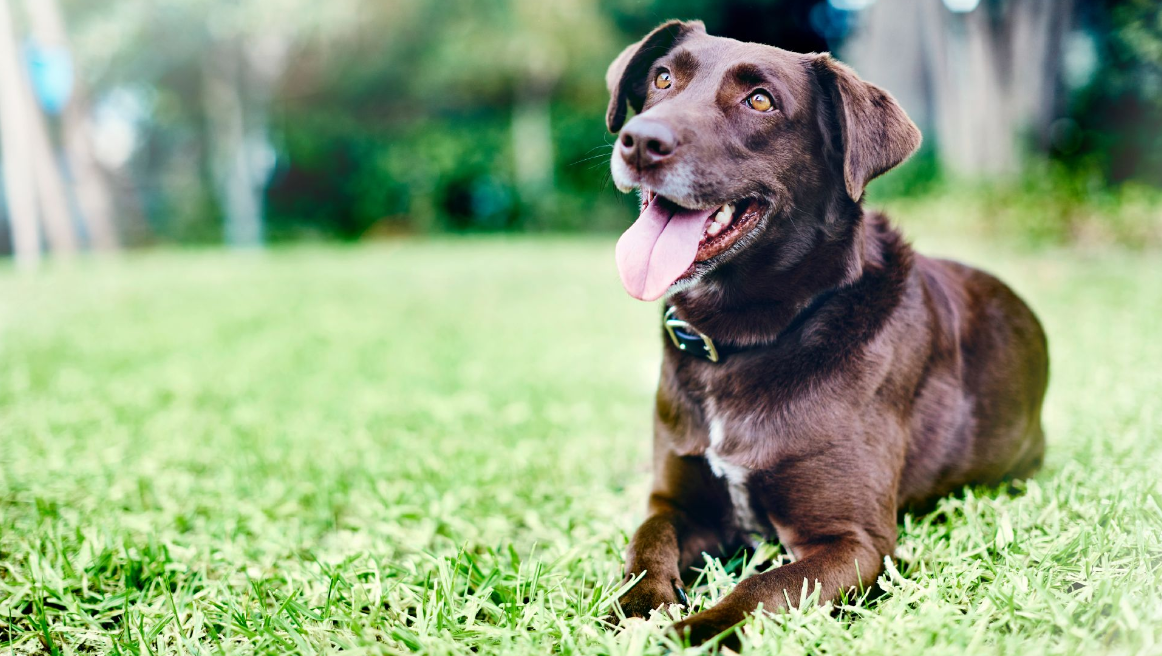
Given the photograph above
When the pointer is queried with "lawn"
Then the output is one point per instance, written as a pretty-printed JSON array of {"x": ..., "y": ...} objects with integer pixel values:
[{"x": 442, "y": 446}]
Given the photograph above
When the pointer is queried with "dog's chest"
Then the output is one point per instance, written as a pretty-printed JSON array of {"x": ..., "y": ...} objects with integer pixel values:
[{"x": 733, "y": 475}]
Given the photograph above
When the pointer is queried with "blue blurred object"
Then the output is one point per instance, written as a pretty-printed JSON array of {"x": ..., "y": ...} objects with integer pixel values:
[
  {"x": 961, "y": 6},
  {"x": 51, "y": 71},
  {"x": 834, "y": 19},
  {"x": 851, "y": 5}
]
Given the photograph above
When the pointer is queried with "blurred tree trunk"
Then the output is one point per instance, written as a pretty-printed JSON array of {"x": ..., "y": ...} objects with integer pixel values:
[
  {"x": 50, "y": 185},
  {"x": 89, "y": 179},
  {"x": 226, "y": 141},
  {"x": 51, "y": 193},
  {"x": 19, "y": 190},
  {"x": 979, "y": 82},
  {"x": 238, "y": 77},
  {"x": 532, "y": 143}
]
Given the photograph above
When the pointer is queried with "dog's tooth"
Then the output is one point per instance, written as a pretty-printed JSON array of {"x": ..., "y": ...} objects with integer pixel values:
[
  {"x": 713, "y": 229},
  {"x": 724, "y": 215}
]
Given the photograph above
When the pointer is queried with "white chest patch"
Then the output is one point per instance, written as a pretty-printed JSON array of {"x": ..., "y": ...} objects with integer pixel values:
[{"x": 734, "y": 476}]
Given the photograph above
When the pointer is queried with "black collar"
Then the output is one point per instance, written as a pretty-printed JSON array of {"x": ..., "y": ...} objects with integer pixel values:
[{"x": 692, "y": 341}]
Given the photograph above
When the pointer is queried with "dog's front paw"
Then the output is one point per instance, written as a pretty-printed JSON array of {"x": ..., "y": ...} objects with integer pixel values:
[
  {"x": 703, "y": 627},
  {"x": 652, "y": 593}
]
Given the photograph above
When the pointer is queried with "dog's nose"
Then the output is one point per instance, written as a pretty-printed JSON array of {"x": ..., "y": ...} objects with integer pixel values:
[{"x": 645, "y": 142}]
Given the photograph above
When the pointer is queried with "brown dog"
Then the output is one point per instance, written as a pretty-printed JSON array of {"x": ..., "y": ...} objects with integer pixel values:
[{"x": 818, "y": 375}]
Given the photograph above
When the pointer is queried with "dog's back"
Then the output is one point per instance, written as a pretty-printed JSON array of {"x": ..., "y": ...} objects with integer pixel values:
[{"x": 996, "y": 356}]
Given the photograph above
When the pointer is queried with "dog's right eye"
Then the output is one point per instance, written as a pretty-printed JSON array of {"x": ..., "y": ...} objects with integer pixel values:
[
  {"x": 760, "y": 101},
  {"x": 663, "y": 81}
]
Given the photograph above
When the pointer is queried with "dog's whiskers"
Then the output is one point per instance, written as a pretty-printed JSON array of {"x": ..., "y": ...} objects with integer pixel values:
[{"x": 592, "y": 157}]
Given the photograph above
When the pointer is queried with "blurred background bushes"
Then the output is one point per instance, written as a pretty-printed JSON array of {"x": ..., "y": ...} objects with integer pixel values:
[{"x": 257, "y": 121}]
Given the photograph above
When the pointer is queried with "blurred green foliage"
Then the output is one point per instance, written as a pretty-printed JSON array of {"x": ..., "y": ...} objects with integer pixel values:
[
  {"x": 418, "y": 135},
  {"x": 1119, "y": 113},
  {"x": 1048, "y": 204},
  {"x": 401, "y": 116}
]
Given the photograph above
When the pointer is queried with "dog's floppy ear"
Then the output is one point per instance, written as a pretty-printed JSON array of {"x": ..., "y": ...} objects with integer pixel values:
[
  {"x": 875, "y": 132},
  {"x": 626, "y": 77}
]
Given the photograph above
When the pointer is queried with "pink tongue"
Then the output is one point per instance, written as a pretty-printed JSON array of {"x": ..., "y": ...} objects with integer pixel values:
[{"x": 658, "y": 248}]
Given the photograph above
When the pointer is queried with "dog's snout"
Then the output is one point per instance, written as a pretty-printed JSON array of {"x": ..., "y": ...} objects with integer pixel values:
[{"x": 644, "y": 143}]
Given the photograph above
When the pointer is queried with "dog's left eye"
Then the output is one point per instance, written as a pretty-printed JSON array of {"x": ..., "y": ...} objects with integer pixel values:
[
  {"x": 760, "y": 101},
  {"x": 663, "y": 81}
]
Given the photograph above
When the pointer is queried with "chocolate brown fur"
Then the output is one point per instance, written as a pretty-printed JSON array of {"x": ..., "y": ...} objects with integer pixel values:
[{"x": 883, "y": 379}]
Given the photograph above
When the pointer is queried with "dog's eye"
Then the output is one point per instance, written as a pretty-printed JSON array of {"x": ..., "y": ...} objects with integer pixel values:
[
  {"x": 760, "y": 101},
  {"x": 663, "y": 81}
]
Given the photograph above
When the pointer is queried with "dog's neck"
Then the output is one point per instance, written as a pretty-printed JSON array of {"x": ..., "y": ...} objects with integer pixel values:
[{"x": 755, "y": 297}]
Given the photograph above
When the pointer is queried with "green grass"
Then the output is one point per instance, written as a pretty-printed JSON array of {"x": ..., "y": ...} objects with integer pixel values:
[{"x": 443, "y": 446}]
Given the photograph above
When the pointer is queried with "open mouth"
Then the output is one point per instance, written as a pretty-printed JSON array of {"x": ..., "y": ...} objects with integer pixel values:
[
  {"x": 668, "y": 241},
  {"x": 724, "y": 227}
]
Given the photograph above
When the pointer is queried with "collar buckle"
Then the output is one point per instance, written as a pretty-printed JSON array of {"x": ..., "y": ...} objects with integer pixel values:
[{"x": 687, "y": 338}]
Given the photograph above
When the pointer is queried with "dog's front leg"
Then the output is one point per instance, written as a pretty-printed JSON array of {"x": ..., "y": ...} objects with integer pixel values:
[
  {"x": 837, "y": 567},
  {"x": 654, "y": 554},
  {"x": 685, "y": 521}
]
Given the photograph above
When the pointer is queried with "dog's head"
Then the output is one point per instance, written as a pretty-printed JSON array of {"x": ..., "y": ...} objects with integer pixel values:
[{"x": 727, "y": 138}]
